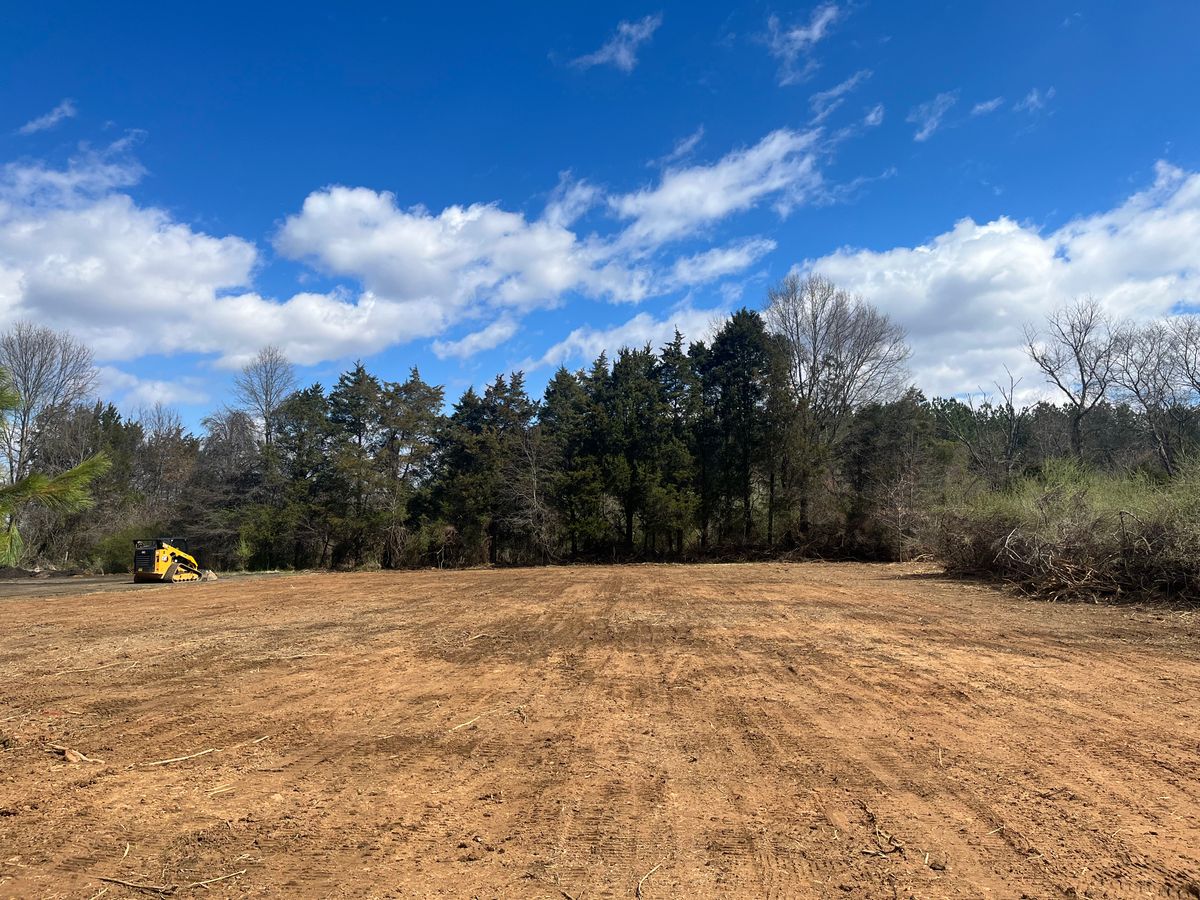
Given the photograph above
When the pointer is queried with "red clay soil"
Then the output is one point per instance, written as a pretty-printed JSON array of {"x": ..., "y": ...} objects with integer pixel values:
[{"x": 806, "y": 730}]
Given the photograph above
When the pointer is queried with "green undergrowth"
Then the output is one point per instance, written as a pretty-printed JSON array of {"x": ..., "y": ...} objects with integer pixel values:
[{"x": 1075, "y": 534}]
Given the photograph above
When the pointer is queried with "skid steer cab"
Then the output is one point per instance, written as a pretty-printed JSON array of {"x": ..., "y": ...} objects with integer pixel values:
[{"x": 166, "y": 559}]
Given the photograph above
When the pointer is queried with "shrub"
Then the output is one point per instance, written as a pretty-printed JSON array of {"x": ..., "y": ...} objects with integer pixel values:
[
  {"x": 114, "y": 553},
  {"x": 1073, "y": 534}
]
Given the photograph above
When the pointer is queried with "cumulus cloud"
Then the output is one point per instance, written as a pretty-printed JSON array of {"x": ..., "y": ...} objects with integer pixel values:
[
  {"x": 584, "y": 344},
  {"x": 64, "y": 110},
  {"x": 492, "y": 336},
  {"x": 928, "y": 116},
  {"x": 130, "y": 280},
  {"x": 621, "y": 49},
  {"x": 456, "y": 264},
  {"x": 463, "y": 258},
  {"x": 92, "y": 260},
  {"x": 135, "y": 392},
  {"x": 824, "y": 103},
  {"x": 77, "y": 250},
  {"x": 793, "y": 45},
  {"x": 783, "y": 166},
  {"x": 966, "y": 294},
  {"x": 440, "y": 262}
]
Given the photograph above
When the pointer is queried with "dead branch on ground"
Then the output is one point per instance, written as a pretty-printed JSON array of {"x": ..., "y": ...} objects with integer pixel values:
[
  {"x": 638, "y": 890},
  {"x": 175, "y": 759},
  {"x": 163, "y": 889},
  {"x": 196, "y": 884}
]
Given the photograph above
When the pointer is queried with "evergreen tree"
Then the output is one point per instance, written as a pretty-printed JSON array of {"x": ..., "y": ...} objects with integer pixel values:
[
  {"x": 303, "y": 434},
  {"x": 675, "y": 502},
  {"x": 470, "y": 464},
  {"x": 410, "y": 421},
  {"x": 356, "y": 435},
  {"x": 635, "y": 432},
  {"x": 217, "y": 511},
  {"x": 736, "y": 369},
  {"x": 568, "y": 420}
]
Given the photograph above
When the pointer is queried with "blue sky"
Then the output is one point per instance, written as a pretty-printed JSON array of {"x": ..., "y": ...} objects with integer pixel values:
[{"x": 475, "y": 188}]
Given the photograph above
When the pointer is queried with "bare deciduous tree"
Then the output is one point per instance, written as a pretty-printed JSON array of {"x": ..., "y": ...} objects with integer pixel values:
[
  {"x": 900, "y": 499},
  {"x": 526, "y": 491},
  {"x": 1146, "y": 374},
  {"x": 1076, "y": 354},
  {"x": 844, "y": 352},
  {"x": 262, "y": 385},
  {"x": 165, "y": 459},
  {"x": 993, "y": 433},
  {"x": 48, "y": 370},
  {"x": 1185, "y": 352}
]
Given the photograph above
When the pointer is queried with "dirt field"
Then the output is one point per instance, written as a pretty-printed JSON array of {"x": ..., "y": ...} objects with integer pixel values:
[
  {"x": 62, "y": 586},
  {"x": 802, "y": 730}
]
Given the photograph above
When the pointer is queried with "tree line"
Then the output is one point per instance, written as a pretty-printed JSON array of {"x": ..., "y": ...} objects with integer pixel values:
[{"x": 793, "y": 430}]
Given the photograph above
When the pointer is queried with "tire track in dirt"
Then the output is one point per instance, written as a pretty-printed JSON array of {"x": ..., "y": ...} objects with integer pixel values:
[{"x": 773, "y": 730}]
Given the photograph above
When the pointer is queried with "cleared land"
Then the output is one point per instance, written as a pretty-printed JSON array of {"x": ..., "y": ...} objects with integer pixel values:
[{"x": 804, "y": 730}]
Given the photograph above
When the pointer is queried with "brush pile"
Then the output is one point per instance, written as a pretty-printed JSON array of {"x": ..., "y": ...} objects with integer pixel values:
[{"x": 1073, "y": 535}]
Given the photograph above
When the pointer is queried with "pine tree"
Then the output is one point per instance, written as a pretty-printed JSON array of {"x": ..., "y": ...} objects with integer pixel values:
[{"x": 355, "y": 418}]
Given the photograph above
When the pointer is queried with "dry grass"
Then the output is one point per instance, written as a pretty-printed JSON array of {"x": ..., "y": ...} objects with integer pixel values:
[{"x": 1070, "y": 534}]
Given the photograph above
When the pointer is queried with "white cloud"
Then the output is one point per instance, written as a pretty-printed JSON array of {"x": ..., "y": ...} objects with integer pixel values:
[
  {"x": 874, "y": 116},
  {"x": 311, "y": 327},
  {"x": 718, "y": 262},
  {"x": 793, "y": 46},
  {"x": 64, "y": 110},
  {"x": 492, "y": 336},
  {"x": 987, "y": 106},
  {"x": 442, "y": 263},
  {"x": 928, "y": 116},
  {"x": 966, "y": 294},
  {"x": 130, "y": 280},
  {"x": 570, "y": 200},
  {"x": 584, "y": 344},
  {"x": 84, "y": 178},
  {"x": 467, "y": 262},
  {"x": 824, "y": 103},
  {"x": 134, "y": 392},
  {"x": 732, "y": 292},
  {"x": 103, "y": 266},
  {"x": 621, "y": 49},
  {"x": 1035, "y": 100},
  {"x": 683, "y": 148},
  {"x": 782, "y": 165}
]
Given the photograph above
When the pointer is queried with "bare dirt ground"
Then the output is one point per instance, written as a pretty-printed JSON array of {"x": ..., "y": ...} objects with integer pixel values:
[
  {"x": 807, "y": 730},
  {"x": 71, "y": 585}
]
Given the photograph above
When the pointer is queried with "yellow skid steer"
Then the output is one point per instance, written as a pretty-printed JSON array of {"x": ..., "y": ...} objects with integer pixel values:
[{"x": 166, "y": 559}]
